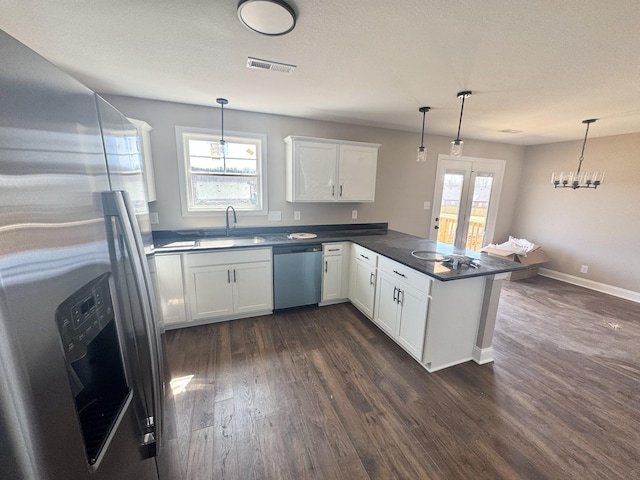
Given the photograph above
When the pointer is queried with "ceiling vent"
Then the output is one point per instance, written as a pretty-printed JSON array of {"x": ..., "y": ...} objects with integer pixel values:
[{"x": 269, "y": 65}]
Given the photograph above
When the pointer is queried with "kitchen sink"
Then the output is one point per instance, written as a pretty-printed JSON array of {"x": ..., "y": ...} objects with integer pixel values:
[
  {"x": 222, "y": 242},
  {"x": 428, "y": 255},
  {"x": 214, "y": 242}
]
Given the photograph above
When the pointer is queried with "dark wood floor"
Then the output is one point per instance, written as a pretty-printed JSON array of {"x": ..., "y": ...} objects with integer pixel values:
[{"x": 323, "y": 394}]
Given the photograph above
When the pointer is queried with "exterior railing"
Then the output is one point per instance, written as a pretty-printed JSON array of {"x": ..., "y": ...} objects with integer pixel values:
[{"x": 447, "y": 231}]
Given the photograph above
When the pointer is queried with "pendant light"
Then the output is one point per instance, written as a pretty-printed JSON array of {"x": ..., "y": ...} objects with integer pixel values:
[
  {"x": 457, "y": 144},
  {"x": 579, "y": 179},
  {"x": 222, "y": 145},
  {"x": 422, "y": 152}
]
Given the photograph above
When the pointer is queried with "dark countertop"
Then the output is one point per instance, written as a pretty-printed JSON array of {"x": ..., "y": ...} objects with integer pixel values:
[{"x": 389, "y": 243}]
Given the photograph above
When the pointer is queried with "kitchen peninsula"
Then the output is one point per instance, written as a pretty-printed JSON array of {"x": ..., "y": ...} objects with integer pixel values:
[{"x": 440, "y": 313}]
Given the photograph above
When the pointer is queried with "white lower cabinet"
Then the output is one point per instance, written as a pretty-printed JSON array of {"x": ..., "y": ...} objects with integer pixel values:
[
  {"x": 230, "y": 284},
  {"x": 402, "y": 304},
  {"x": 335, "y": 272},
  {"x": 170, "y": 289},
  {"x": 362, "y": 279}
]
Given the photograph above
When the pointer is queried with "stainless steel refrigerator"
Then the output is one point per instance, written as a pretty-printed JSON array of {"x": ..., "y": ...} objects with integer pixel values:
[{"x": 83, "y": 387}]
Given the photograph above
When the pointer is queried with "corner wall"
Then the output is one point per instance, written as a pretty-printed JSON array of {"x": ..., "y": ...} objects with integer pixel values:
[{"x": 599, "y": 228}]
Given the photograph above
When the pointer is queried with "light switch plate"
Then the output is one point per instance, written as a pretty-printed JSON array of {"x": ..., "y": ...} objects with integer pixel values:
[
  {"x": 296, "y": 214},
  {"x": 274, "y": 216},
  {"x": 153, "y": 218},
  {"x": 354, "y": 214},
  {"x": 427, "y": 205}
]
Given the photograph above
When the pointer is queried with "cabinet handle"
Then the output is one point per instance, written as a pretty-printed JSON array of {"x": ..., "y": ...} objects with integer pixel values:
[
  {"x": 371, "y": 279},
  {"x": 395, "y": 289},
  {"x": 326, "y": 266},
  {"x": 234, "y": 275},
  {"x": 401, "y": 274},
  {"x": 333, "y": 190},
  {"x": 340, "y": 190},
  {"x": 333, "y": 249},
  {"x": 228, "y": 276},
  {"x": 364, "y": 256},
  {"x": 400, "y": 302}
]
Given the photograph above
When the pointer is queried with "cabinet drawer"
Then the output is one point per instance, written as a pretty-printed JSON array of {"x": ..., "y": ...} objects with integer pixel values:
[
  {"x": 330, "y": 249},
  {"x": 227, "y": 257},
  {"x": 406, "y": 274},
  {"x": 365, "y": 255}
]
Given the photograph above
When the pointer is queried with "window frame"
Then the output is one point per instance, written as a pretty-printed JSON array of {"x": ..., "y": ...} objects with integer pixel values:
[{"x": 182, "y": 134}]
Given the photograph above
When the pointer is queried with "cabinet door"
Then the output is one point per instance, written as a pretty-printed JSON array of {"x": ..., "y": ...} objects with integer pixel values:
[
  {"x": 314, "y": 170},
  {"x": 386, "y": 311},
  {"x": 252, "y": 287},
  {"x": 357, "y": 173},
  {"x": 210, "y": 291},
  {"x": 332, "y": 278},
  {"x": 363, "y": 287},
  {"x": 170, "y": 289},
  {"x": 413, "y": 320}
]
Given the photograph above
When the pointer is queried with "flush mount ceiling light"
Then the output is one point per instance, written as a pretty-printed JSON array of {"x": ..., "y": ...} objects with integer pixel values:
[
  {"x": 268, "y": 17},
  {"x": 457, "y": 144},
  {"x": 422, "y": 152},
  {"x": 578, "y": 179},
  {"x": 222, "y": 145}
]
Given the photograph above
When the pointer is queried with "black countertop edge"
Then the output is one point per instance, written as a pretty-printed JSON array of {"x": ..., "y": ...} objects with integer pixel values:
[
  {"x": 321, "y": 230},
  {"x": 394, "y": 245}
]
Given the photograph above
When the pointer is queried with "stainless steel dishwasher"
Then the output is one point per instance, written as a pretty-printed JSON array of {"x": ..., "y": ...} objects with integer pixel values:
[{"x": 297, "y": 275}]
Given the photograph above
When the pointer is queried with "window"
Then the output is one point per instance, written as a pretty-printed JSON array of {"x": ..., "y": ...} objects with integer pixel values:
[{"x": 211, "y": 181}]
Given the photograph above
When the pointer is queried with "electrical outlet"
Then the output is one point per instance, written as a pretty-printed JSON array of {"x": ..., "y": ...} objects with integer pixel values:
[
  {"x": 427, "y": 205},
  {"x": 354, "y": 214},
  {"x": 153, "y": 218},
  {"x": 296, "y": 214},
  {"x": 584, "y": 268},
  {"x": 274, "y": 216}
]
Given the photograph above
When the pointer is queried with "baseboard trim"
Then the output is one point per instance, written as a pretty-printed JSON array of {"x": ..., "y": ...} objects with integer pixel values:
[
  {"x": 591, "y": 285},
  {"x": 482, "y": 355}
]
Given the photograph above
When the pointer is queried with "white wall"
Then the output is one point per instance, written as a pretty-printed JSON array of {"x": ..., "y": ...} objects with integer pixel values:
[
  {"x": 403, "y": 185},
  {"x": 599, "y": 228}
]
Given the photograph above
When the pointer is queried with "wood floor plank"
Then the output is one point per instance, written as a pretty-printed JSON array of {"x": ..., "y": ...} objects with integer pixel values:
[{"x": 322, "y": 393}]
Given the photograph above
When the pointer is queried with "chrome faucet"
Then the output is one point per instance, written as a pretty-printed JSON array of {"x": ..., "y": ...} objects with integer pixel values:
[{"x": 235, "y": 220}]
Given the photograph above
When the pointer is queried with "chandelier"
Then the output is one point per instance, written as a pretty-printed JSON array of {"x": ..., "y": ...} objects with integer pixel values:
[{"x": 578, "y": 179}]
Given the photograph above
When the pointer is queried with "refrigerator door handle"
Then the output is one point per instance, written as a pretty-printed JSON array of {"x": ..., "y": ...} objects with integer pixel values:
[{"x": 116, "y": 204}]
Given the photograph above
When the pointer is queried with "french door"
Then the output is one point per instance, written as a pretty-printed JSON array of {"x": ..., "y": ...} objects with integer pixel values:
[{"x": 465, "y": 201}]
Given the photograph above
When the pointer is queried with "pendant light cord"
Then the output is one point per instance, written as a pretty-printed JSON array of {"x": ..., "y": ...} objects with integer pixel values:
[
  {"x": 222, "y": 116},
  {"x": 422, "y": 139},
  {"x": 460, "y": 121},
  {"x": 584, "y": 143}
]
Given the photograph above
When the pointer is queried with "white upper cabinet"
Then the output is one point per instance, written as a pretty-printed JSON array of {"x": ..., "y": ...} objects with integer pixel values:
[
  {"x": 323, "y": 170},
  {"x": 144, "y": 133}
]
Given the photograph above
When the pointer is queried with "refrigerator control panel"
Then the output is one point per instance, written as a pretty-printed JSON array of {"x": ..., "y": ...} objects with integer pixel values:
[{"x": 83, "y": 315}]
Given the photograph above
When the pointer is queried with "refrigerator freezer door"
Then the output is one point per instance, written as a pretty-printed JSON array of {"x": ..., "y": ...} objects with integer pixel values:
[{"x": 52, "y": 242}]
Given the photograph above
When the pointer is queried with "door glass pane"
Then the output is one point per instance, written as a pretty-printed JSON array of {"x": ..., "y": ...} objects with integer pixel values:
[
  {"x": 450, "y": 207},
  {"x": 479, "y": 211}
]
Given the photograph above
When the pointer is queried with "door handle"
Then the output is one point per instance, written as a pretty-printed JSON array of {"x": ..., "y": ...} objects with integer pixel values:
[
  {"x": 436, "y": 227},
  {"x": 371, "y": 279},
  {"x": 400, "y": 302},
  {"x": 234, "y": 276},
  {"x": 326, "y": 266},
  {"x": 117, "y": 204},
  {"x": 340, "y": 190},
  {"x": 228, "y": 276},
  {"x": 395, "y": 289}
]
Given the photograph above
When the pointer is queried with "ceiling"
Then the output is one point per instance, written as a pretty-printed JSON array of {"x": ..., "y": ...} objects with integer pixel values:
[{"x": 537, "y": 66}]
